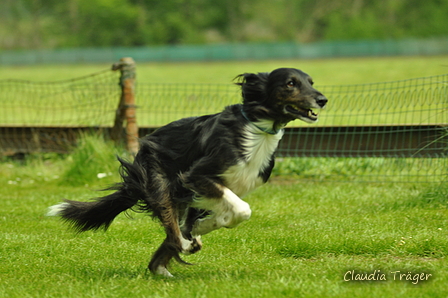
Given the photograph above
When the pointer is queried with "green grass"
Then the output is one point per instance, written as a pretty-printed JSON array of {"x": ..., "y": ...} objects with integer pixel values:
[
  {"x": 92, "y": 157},
  {"x": 301, "y": 240},
  {"x": 358, "y": 169},
  {"x": 339, "y": 71}
]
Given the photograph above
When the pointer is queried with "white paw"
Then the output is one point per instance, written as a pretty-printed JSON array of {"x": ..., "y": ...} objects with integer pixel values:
[
  {"x": 190, "y": 247},
  {"x": 161, "y": 270},
  {"x": 243, "y": 212}
]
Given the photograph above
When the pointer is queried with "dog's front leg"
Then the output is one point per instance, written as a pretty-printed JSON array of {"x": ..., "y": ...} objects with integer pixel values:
[
  {"x": 227, "y": 211},
  {"x": 225, "y": 208}
]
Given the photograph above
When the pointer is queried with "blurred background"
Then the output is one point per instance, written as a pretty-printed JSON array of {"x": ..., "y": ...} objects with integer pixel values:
[
  {"x": 55, "y": 78},
  {"x": 49, "y": 24}
]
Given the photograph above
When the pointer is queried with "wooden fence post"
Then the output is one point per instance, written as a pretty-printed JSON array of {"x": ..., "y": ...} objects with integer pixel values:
[{"x": 126, "y": 108}]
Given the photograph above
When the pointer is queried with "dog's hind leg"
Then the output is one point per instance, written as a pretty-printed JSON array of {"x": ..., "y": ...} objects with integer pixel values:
[
  {"x": 175, "y": 241},
  {"x": 188, "y": 219}
]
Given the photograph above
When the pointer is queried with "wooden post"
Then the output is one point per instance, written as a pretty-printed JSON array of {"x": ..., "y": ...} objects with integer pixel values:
[{"x": 126, "y": 108}]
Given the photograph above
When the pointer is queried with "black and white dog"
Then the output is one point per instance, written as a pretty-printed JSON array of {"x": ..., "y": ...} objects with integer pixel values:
[{"x": 191, "y": 173}]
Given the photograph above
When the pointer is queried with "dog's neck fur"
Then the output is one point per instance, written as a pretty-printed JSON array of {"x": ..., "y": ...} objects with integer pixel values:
[
  {"x": 265, "y": 126},
  {"x": 259, "y": 147},
  {"x": 262, "y": 122}
]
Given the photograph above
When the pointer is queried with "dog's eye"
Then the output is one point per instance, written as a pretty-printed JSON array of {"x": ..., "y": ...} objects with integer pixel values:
[{"x": 291, "y": 84}]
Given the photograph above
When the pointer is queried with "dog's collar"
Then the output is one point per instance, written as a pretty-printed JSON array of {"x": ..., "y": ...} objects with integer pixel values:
[{"x": 271, "y": 131}]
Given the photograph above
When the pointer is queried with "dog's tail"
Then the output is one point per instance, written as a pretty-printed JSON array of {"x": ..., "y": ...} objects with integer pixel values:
[{"x": 100, "y": 213}]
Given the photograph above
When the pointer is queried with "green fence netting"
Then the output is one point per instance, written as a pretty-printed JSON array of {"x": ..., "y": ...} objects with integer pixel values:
[{"x": 392, "y": 131}]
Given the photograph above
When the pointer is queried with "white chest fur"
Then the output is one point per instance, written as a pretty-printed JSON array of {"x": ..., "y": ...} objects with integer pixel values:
[{"x": 259, "y": 147}]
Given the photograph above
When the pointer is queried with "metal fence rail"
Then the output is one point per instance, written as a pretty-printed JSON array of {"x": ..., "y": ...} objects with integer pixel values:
[{"x": 393, "y": 131}]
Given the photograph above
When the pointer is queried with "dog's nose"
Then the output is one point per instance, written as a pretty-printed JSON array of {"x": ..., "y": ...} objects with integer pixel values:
[{"x": 321, "y": 101}]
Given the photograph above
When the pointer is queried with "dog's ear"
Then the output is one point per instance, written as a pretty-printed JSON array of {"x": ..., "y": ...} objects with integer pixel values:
[
  {"x": 251, "y": 78},
  {"x": 253, "y": 86}
]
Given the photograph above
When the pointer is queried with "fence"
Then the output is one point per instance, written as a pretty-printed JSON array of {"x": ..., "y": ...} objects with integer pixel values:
[{"x": 395, "y": 131}]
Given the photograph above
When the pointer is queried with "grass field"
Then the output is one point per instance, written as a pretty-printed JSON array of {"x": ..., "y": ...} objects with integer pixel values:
[
  {"x": 341, "y": 71},
  {"x": 304, "y": 239}
]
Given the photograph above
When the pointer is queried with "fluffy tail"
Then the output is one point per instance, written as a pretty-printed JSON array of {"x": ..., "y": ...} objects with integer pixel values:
[{"x": 100, "y": 213}]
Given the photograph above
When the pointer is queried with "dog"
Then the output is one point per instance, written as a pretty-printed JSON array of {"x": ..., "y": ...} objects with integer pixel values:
[{"x": 192, "y": 173}]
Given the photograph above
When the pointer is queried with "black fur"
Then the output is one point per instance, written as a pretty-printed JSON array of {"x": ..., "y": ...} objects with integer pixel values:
[{"x": 186, "y": 159}]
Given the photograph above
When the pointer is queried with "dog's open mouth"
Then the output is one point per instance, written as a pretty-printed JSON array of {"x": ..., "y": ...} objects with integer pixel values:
[{"x": 304, "y": 114}]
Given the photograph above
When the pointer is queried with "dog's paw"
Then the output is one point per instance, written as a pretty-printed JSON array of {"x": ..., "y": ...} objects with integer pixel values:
[
  {"x": 162, "y": 271},
  {"x": 196, "y": 245},
  {"x": 191, "y": 246}
]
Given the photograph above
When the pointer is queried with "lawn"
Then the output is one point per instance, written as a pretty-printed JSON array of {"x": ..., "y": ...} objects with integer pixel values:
[
  {"x": 305, "y": 239},
  {"x": 340, "y": 71}
]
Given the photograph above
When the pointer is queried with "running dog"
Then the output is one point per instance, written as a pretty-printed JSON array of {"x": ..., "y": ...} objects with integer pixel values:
[{"x": 192, "y": 173}]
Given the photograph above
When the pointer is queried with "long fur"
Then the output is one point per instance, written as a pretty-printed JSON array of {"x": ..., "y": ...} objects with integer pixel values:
[{"x": 191, "y": 173}]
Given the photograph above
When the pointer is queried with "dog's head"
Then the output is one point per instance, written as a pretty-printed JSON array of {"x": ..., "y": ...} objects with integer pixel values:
[{"x": 284, "y": 94}]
